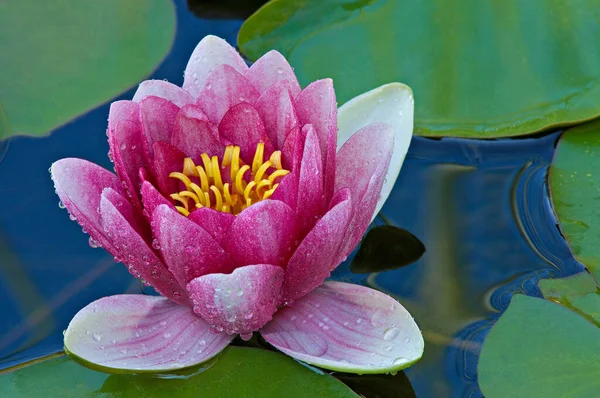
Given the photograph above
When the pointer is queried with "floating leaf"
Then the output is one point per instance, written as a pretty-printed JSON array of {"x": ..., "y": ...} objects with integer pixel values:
[
  {"x": 386, "y": 248},
  {"x": 540, "y": 349},
  {"x": 565, "y": 288},
  {"x": 575, "y": 189},
  {"x": 237, "y": 372},
  {"x": 477, "y": 68},
  {"x": 59, "y": 59}
]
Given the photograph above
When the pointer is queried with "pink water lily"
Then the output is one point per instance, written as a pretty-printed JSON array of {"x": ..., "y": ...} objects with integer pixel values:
[{"x": 235, "y": 197}]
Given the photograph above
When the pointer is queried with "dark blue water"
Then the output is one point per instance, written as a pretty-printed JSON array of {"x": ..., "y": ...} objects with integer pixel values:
[{"x": 480, "y": 207}]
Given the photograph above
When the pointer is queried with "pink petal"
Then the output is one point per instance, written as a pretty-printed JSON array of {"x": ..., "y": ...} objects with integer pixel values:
[
  {"x": 311, "y": 200},
  {"x": 243, "y": 126},
  {"x": 216, "y": 223},
  {"x": 125, "y": 142},
  {"x": 163, "y": 89},
  {"x": 287, "y": 190},
  {"x": 211, "y": 52},
  {"x": 358, "y": 158},
  {"x": 167, "y": 159},
  {"x": 120, "y": 226},
  {"x": 316, "y": 105},
  {"x": 270, "y": 69},
  {"x": 262, "y": 234},
  {"x": 79, "y": 184},
  {"x": 276, "y": 108},
  {"x": 123, "y": 110},
  {"x": 151, "y": 199},
  {"x": 141, "y": 333},
  {"x": 363, "y": 162},
  {"x": 158, "y": 118},
  {"x": 194, "y": 134},
  {"x": 314, "y": 258},
  {"x": 225, "y": 88},
  {"x": 289, "y": 154},
  {"x": 348, "y": 328},
  {"x": 188, "y": 250},
  {"x": 241, "y": 302}
]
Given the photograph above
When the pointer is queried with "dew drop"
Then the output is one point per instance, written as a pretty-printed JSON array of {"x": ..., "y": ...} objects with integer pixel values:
[
  {"x": 378, "y": 319},
  {"x": 391, "y": 333},
  {"x": 407, "y": 340},
  {"x": 280, "y": 70},
  {"x": 399, "y": 361},
  {"x": 359, "y": 320},
  {"x": 163, "y": 323},
  {"x": 61, "y": 204},
  {"x": 96, "y": 337},
  {"x": 123, "y": 147},
  {"x": 167, "y": 335},
  {"x": 248, "y": 315},
  {"x": 113, "y": 341},
  {"x": 155, "y": 244},
  {"x": 246, "y": 336},
  {"x": 123, "y": 351},
  {"x": 388, "y": 348}
]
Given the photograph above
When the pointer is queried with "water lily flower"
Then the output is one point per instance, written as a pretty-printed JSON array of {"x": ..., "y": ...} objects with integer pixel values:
[{"x": 235, "y": 196}]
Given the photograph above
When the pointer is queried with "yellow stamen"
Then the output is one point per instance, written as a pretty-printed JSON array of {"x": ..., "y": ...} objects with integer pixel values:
[
  {"x": 181, "y": 177},
  {"x": 276, "y": 160},
  {"x": 204, "y": 183},
  {"x": 258, "y": 157}
]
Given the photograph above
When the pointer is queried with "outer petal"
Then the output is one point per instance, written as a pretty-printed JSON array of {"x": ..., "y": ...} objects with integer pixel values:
[
  {"x": 188, "y": 250},
  {"x": 276, "y": 108},
  {"x": 126, "y": 145},
  {"x": 241, "y": 302},
  {"x": 262, "y": 234},
  {"x": 272, "y": 68},
  {"x": 216, "y": 223},
  {"x": 362, "y": 165},
  {"x": 121, "y": 226},
  {"x": 392, "y": 104},
  {"x": 158, "y": 118},
  {"x": 225, "y": 88},
  {"x": 79, "y": 184},
  {"x": 348, "y": 328},
  {"x": 211, "y": 52},
  {"x": 243, "y": 126},
  {"x": 193, "y": 134},
  {"x": 133, "y": 333},
  {"x": 123, "y": 110},
  {"x": 314, "y": 258},
  {"x": 316, "y": 105},
  {"x": 163, "y": 89}
]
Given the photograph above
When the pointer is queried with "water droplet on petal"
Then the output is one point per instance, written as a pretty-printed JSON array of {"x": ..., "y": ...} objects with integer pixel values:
[
  {"x": 61, "y": 204},
  {"x": 378, "y": 319},
  {"x": 167, "y": 335},
  {"x": 391, "y": 334},
  {"x": 407, "y": 340},
  {"x": 246, "y": 336},
  {"x": 399, "y": 361},
  {"x": 280, "y": 70},
  {"x": 96, "y": 337}
]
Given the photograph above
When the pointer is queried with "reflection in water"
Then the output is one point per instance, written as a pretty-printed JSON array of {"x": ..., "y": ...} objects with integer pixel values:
[{"x": 481, "y": 209}]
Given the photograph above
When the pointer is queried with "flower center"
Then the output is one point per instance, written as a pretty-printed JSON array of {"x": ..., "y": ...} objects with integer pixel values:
[{"x": 210, "y": 185}]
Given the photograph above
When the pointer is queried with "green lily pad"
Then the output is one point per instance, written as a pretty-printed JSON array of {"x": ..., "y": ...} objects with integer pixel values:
[
  {"x": 61, "y": 58},
  {"x": 540, "y": 349},
  {"x": 560, "y": 289},
  {"x": 477, "y": 68},
  {"x": 575, "y": 189},
  {"x": 238, "y": 372}
]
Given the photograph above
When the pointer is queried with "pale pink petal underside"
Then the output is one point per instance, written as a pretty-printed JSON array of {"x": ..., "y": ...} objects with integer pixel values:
[
  {"x": 348, "y": 328},
  {"x": 225, "y": 88},
  {"x": 137, "y": 333},
  {"x": 241, "y": 302},
  {"x": 211, "y": 52},
  {"x": 79, "y": 185},
  {"x": 272, "y": 68},
  {"x": 163, "y": 89},
  {"x": 313, "y": 260},
  {"x": 123, "y": 110}
]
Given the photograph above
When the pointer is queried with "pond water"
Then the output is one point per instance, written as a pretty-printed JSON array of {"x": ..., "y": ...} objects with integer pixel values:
[{"x": 481, "y": 208}]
